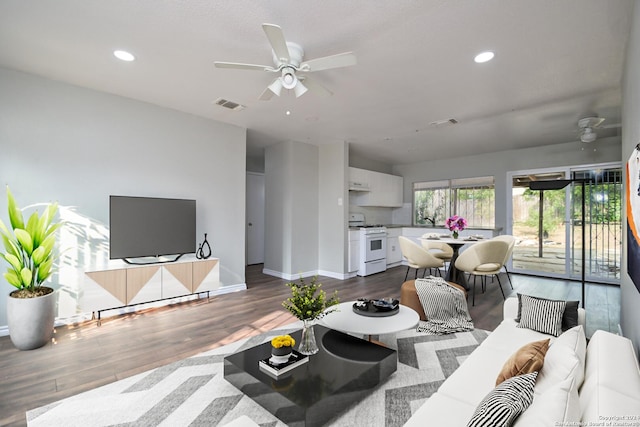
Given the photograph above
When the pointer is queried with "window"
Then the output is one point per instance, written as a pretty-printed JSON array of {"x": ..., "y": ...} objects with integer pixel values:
[{"x": 471, "y": 198}]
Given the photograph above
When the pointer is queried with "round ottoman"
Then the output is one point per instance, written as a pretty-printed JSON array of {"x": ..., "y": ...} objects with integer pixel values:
[{"x": 409, "y": 296}]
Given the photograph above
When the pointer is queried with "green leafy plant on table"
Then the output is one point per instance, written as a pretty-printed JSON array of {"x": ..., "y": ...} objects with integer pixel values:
[{"x": 308, "y": 302}]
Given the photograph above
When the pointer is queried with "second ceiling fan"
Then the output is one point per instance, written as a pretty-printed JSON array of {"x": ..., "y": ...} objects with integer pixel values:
[
  {"x": 587, "y": 128},
  {"x": 288, "y": 62}
]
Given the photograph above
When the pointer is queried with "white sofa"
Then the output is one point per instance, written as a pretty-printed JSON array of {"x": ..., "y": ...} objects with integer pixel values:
[{"x": 592, "y": 383}]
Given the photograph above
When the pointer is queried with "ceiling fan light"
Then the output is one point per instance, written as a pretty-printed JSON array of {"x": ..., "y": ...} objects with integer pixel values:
[
  {"x": 276, "y": 87},
  {"x": 588, "y": 135},
  {"x": 289, "y": 79},
  {"x": 300, "y": 89}
]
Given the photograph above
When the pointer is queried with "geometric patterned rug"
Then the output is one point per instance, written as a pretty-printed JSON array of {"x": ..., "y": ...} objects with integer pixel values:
[{"x": 193, "y": 391}]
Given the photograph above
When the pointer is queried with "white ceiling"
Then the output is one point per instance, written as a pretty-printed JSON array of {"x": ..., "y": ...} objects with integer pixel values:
[{"x": 556, "y": 61}]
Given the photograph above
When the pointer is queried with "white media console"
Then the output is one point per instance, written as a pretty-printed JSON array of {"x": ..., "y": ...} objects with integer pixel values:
[{"x": 137, "y": 284}]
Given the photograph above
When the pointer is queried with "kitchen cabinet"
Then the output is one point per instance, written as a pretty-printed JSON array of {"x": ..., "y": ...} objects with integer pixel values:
[
  {"x": 354, "y": 251},
  {"x": 394, "y": 254},
  {"x": 384, "y": 190},
  {"x": 358, "y": 180}
]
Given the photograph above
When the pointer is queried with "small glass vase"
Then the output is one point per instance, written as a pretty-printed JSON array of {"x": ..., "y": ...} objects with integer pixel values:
[
  {"x": 455, "y": 234},
  {"x": 308, "y": 344}
]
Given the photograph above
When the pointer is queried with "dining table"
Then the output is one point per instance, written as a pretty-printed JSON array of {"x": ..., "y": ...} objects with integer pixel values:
[{"x": 453, "y": 274}]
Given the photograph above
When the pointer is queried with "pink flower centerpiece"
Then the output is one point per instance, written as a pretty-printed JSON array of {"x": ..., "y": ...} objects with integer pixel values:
[{"x": 455, "y": 224}]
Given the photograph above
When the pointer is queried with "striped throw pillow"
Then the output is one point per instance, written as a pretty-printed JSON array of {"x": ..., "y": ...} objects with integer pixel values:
[
  {"x": 505, "y": 403},
  {"x": 542, "y": 315}
]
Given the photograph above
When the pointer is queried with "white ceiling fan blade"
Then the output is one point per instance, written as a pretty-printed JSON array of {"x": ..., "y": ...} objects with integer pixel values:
[
  {"x": 240, "y": 66},
  {"x": 590, "y": 122},
  {"x": 277, "y": 41},
  {"x": 315, "y": 87},
  {"x": 345, "y": 59},
  {"x": 611, "y": 126}
]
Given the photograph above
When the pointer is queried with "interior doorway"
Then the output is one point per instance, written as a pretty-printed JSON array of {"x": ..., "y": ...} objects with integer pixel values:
[
  {"x": 548, "y": 224},
  {"x": 255, "y": 218}
]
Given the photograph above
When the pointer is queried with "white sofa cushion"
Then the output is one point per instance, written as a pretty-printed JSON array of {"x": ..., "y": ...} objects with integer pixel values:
[
  {"x": 442, "y": 411},
  {"x": 504, "y": 403},
  {"x": 476, "y": 377},
  {"x": 611, "y": 386},
  {"x": 560, "y": 363},
  {"x": 565, "y": 359},
  {"x": 558, "y": 406},
  {"x": 508, "y": 337}
]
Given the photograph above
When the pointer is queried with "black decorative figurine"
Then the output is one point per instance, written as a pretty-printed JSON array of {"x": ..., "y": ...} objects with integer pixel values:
[{"x": 201, "y": 254}]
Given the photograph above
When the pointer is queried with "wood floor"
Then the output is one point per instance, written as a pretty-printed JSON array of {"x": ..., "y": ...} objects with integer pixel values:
[{"x": 84, "y": 356}]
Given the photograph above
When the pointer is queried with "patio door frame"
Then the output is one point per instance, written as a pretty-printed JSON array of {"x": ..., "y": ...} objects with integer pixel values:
[{"x": 567, "y": 170}]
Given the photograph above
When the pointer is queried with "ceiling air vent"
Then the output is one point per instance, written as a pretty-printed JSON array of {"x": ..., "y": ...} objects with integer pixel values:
[
  {"x": 438, "y": 123},
  {"x": 229, "y": 104}
]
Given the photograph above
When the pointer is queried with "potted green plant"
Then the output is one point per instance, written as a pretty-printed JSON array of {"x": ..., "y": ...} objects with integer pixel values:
[
  {"x": 308, "y": 303},
  {"x": 29, "y": 253}
]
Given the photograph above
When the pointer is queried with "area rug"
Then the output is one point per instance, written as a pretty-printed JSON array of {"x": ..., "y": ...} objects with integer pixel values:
[{"x": 193, "y": 391}]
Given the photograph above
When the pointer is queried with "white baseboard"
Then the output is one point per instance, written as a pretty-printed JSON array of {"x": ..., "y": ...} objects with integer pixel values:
[
  {"x": 287, "y": 276},
  {"x": 334, "y": 275}
]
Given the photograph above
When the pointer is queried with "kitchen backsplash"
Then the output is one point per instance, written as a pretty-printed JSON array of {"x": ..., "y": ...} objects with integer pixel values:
[{"x": 386, "y": 216}]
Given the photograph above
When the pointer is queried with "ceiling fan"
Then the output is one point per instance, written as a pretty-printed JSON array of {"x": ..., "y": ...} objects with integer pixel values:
[
  {"x": 288, "y": 62},
  {"x": 587, "y": 128}
]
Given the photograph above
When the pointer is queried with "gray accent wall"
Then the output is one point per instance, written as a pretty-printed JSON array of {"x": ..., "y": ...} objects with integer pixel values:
[
  {"x": 64, "y": 143},
  {"x": 630, "y": 297}
]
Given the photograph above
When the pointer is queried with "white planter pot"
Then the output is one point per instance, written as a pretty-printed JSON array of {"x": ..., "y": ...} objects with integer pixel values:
[{"x": 31, "y": 320}]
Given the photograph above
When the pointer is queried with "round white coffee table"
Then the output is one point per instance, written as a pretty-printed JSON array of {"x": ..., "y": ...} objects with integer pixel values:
[{"x": 344, "y": 319}]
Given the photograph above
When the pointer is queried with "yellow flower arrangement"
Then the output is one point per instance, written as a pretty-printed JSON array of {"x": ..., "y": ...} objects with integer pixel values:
[{"x": 283, "y": 341}]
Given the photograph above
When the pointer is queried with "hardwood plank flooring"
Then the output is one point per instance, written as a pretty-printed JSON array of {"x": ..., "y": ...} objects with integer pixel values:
[{"x": 85, "y": 356}]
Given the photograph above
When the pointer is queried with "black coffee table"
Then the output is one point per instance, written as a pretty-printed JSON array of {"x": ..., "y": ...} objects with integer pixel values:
[{"x": 344, "y": 371}]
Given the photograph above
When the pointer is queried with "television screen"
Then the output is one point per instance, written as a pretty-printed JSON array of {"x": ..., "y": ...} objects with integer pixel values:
[{"x": 147, "y": 226}]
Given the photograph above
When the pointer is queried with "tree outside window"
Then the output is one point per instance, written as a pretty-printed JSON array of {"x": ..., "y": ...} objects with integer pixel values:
[{"x": 471, "y": 198}]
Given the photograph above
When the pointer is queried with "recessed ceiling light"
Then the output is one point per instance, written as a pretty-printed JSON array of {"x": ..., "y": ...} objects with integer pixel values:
[
  {"x": 124, "y": 55},
  {"x": 484, "y": 57},
  {"x": 288, "y": 113}
]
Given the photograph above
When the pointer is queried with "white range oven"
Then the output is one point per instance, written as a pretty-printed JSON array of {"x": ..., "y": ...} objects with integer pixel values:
[{"x": 373, "y": 246}]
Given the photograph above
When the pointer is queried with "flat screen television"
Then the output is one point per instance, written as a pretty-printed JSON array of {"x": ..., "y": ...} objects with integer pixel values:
[{"x": 142, "y": 227}]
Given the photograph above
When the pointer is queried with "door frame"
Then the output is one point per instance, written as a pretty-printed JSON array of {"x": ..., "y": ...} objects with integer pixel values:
[
  {"x": 567, "y": 170},
  {"x": 256, "y": 208}
]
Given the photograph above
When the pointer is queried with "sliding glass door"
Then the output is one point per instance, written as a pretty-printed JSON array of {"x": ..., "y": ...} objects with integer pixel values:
[{"x": 548, "y": 223}]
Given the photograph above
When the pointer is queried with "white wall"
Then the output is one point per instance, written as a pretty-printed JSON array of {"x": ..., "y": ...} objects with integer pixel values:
[
  {"x": 630, "y": 298},
  {"x": 291, "y": 211},
  {"x": 334, "y": 209},
  {"x": 77, "y": 146}
]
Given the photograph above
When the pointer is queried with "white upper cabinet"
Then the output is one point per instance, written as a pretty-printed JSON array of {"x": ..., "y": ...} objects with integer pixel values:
[{"x": 369, "y": 188}]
